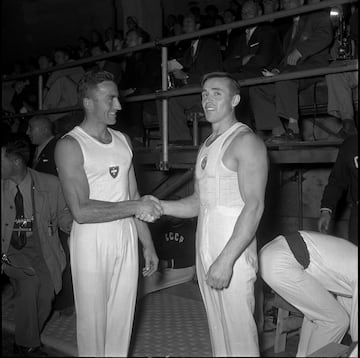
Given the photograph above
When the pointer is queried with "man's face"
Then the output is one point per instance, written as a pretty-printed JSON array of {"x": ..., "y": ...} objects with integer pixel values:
[
  {"x": 291, "y": 4},
  {"x": 228, "y": 17},
  {"x": 60, "y": 58},
  {"x": 217, "y": 100},
  {"x": 270, "y": 6},
  {"x": 132, "y": 39},
  {"x": 35, "y": 132},
  {"x": 249, "y": 11},
  {"x": 105, "y": 102},
  {"x": 189, "y": 25},
  {"x": 7, "y": 165}
]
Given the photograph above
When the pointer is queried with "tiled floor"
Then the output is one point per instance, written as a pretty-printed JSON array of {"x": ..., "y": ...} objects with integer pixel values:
[{"x": 167, "y": 323}]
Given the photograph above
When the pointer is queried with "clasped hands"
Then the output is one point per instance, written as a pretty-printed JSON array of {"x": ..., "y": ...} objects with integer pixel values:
[{"x": 150, "y": 209}]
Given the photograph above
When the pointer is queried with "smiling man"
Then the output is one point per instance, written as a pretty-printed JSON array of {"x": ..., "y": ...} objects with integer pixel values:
[
  {"x": 95, "y": 169},
  {"x": 230, "y": 180}
]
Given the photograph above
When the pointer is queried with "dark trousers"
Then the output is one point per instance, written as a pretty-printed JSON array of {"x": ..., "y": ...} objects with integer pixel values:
[
  {"x": 65, "y": 298},
  {"x": 34, "y": 294},
  {"x": 353, "y": 225},
  {"x": 280, "y": 99}
]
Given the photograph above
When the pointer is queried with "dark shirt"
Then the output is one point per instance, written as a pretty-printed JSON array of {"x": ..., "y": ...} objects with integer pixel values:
[{"x": 344, "y": 175}]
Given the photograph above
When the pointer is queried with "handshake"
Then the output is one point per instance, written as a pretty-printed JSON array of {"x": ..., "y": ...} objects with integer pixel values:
[{"x": 149, "y": 209}]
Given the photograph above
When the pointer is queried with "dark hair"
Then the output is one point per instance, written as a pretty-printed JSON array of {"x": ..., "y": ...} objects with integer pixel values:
[
  {"x": 234, "y": 84},
  {"x": 17, "y": 146},
  {"x": 90, "y": 80}
]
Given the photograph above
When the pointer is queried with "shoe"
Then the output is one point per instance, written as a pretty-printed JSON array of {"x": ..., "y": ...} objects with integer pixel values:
[{"x": 29, "y": 351}]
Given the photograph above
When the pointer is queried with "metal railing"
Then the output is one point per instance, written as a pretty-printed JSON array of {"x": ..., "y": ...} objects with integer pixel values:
[{"x": 165, "y": 92}]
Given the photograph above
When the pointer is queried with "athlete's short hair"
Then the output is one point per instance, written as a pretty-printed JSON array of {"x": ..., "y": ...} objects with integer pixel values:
[
  {"x": 90, "y": 80},
  {"x": 234, "y": 84}
]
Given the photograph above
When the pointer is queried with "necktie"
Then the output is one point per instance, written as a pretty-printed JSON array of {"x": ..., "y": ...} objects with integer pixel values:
[
  {"x": 36, "y": 157},
  {"x": 295, "y": 26},
  {"x": 18, "y": 238},
  {"x": 193, "y": 48},
  {"x": 248, "y": 35}
]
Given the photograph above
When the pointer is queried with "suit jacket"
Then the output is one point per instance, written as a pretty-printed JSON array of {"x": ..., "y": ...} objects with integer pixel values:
[
  {"x": 312, "y": 39},
  {"x": 264, "y": 44},
  {"x": 50, "y": 210},
  {"x": 207, "y": 59},
  {"x": 46, "y": 160}
]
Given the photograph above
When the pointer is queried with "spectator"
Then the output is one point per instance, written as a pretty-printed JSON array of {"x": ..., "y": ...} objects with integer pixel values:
[
  {"x": 83, "y": 50},
  {"x": 231, "y": 37},
  {"x": 61, "y": 87},
  {"x": 132, "y": 24},
  {"x": 341, "y": 86},
  {"x": 109, "y": 64},
  {"x": 256, "y": 48},
  {"x": 270, "y": 6},
  {"x": 306, "y": 46},
  {"x": 172, "y": 27},
  {"x": 202, "y": 56},
  {"x": 211, "y": 13},
  {"x": 112, "y": 42},
  {"x": 307, "y": 269},
  {"x": 343, "y": 178},
  {"x": 21, "y": 102},
  {"x": 142, "y": 74},
  {"x": 96, "y": 39},
  {"x": 34, "y": 259}
]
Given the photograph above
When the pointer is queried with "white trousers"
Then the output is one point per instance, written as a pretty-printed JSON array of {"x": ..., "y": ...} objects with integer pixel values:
[
  {"x": 104, "y": 264},
  {"x": 333, "y": 267}
]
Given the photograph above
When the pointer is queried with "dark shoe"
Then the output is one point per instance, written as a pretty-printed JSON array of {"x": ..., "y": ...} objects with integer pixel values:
[
  {"x": 29, "y": 351},
  {"x": 292, "y": 136}
]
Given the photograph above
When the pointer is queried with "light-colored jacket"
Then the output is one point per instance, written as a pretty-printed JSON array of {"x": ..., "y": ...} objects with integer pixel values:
[{"x": 50, "y": 210}]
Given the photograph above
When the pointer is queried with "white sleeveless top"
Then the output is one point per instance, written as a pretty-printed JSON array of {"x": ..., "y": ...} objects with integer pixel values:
[
  {"x": 106, "y": 165},
  {"x": 218, "y": 185}
]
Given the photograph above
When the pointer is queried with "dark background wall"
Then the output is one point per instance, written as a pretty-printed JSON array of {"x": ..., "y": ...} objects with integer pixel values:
[{"x": 33, "y": 27}]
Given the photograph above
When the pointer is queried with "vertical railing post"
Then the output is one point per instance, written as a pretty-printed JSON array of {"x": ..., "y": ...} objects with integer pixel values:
[
  {"x": 164, "y": 86},
  {"x": 40, "y": 92}
]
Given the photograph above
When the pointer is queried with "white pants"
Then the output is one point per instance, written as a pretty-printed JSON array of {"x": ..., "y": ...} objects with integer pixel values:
[
  {"x": 104, "y": 264},
  {"x": 333, "y": 267}
]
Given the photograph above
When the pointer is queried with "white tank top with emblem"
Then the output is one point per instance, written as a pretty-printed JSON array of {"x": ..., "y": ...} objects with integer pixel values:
[{"x": 106, "y": 165}]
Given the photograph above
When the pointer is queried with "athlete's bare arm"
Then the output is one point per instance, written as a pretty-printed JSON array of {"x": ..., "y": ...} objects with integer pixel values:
[
  {"x": 247, "y": 156},
  {"x": 70, "y": 165},
  {"x": 183, "y": 208}
]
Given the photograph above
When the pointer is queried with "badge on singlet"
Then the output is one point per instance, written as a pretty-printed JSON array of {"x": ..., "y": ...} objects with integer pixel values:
[{"x": 114, "y": 171}]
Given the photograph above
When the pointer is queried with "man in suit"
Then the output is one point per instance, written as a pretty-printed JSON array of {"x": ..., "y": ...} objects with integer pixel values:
[
  {"x": 256, "y": 48},
  {"x": 40, "y": 132},
  {"x": 305, "y": 46},
  {"x": 32, "y": 257},
  {"x": 201, "y": 57}
]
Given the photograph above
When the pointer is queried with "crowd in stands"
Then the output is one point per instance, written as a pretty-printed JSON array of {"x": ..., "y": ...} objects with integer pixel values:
[{"x": 279, "y": 46}]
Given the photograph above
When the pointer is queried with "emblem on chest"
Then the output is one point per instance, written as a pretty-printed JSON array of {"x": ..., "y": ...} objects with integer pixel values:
[
  {"x": 114, "y": 171},
  {"x": 203, "y": 162}
]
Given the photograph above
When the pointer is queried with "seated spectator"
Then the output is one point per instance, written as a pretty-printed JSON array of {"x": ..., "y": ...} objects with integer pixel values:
[
  {"x": 172, "y": 27},
  {"x": 142, "y": 74},
  {"x": 343, "y": 178},
  {"x": 174, "y": 242},
  {"x": 21, "y": 101},
  {"x": 96, "y": 38},
  {"x": 257, "y": 47},
  {"x": 109, "y": 64},
  {"x": 341, "y": 86},
  {"x": 305, "y": 46},
  {"x": 270, "y": 6},
  {"x": 83, "y": 49},
  {"x": 201, "y": 57},
  {"x": 231, "y": 36},
  {"x": 61, "y": 87},
  {"x": 132, "y": 24},
  {"x": 211, "y": 13},
  {"x": 32, "y": 256},
  {"x": 307, "y": 269},
  {"x": 112, "y": 42}
]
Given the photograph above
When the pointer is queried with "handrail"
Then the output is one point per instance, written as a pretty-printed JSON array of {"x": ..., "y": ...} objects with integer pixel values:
[
  {"x": 165, "y": 93},
  {"x": 351, "y": 65},
  {"x": 168, "y": 40}
]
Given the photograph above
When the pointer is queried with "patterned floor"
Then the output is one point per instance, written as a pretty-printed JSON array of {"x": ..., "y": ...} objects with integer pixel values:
[{"x": 168, "y": 323}]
